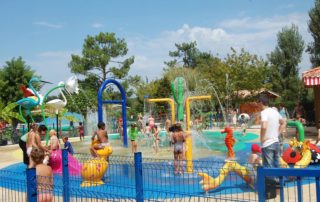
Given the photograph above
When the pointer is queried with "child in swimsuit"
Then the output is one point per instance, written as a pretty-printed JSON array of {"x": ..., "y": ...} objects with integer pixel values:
[
  {"x": 178, "y": 139},
  {"x": 103, "y": 139},
  {"x": 44, "y": 176},
  {"x": 81, "y": 131},
  {"x": 151, "y": 122},
  {"x": 133, "y": 134},
  {"x": 156, "y": 139}
]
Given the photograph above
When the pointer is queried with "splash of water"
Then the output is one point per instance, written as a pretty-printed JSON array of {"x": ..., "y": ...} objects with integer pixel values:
[
  {"x": 204, "y": 87},
  {"x": 199, "y": 138}
]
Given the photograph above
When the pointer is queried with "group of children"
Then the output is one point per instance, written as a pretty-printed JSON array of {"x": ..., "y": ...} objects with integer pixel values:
[{"x": 37, "y": 156}]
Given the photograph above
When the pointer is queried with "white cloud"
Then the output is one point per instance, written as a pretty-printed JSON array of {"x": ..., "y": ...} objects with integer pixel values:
[
  {"x": 274, "y": 22},
  {"x": 46, "y": 24},
  {"x": 256, "y": 35},
  {"x": 97, "y": 25}
]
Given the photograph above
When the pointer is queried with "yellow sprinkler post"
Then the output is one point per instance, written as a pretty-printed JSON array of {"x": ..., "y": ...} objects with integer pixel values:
[
  {"x": 171, "y": 102},
  {"x": 189, "y": 168}
]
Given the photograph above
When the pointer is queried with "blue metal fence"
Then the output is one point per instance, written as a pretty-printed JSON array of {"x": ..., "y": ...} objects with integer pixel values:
[
  {"x": 135, "y": 178},
  {"x": 302, "y": 179}
]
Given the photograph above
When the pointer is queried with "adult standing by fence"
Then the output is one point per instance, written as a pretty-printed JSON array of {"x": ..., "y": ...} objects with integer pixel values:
[
  {"x": 271, "y": 122},
  {"x": 23, "y": 147}
]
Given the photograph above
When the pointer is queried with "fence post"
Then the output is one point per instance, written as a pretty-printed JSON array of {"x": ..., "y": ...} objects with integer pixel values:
[
  {"x": 261, "y": 182},
  {"x": 31, "y": 185},
  {"x": 65, "y": 176},
  {"x": 138, "y": 176}
]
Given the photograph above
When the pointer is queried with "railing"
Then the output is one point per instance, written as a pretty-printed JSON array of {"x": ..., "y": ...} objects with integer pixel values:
[
  {"x": 290, "y": 183},
  {"x": 13, "y": 186},
  {"x": 136, "y": 179}
]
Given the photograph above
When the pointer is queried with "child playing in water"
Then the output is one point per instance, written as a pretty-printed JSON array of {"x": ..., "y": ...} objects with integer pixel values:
[
  {"x": 53, "y": 145},
  {"x": 148, "y": 130},
  {"x": 254, "y": 161},
  {"x": 156, "y": 139},
  {"x": 81, "y": 131},
  {"x": 140, "y": 124},
  {"x": 133, "y": 134},
  {"x": 178, "y": 140},
  {"x": 44, "y": 175},
  {"x": 254, "y": 157},
  {"x": 68, "y": 146},
  {"x": 54, "y": 141},
  {"x": 151, "y": 122},
  {"x": 102, "y": 136}
]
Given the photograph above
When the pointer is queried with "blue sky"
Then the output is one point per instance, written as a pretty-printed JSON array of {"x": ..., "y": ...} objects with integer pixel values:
[{"x": 46, "y": 33}]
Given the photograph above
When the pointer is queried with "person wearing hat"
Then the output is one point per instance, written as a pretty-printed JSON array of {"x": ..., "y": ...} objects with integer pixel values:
[
  {"x": 133, "y": 134},
  {"x": 271, "y": 123},
  {"x": 254, "y": 157}
]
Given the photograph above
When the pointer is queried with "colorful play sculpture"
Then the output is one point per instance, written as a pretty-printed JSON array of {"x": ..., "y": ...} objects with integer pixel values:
[
  {"x": 93, "y": 170},
  {"x": 299, "y": 127},
  {"x": 229, "y": 141},
  {"x": 188, "y": 155},
  {"x": 177, "y": 91},
  {"x": 32, "y": 101},
  {"x": 71, "y": 86},
  {"x": 56, "y": 163},
  {"x": 304, "y": 152},
  {"x": 58, "y": 104},
  {"x": 208, "y": 183}
]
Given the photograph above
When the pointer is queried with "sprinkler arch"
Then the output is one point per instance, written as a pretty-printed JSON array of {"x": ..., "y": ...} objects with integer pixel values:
[{"x": 122, "y": 102}]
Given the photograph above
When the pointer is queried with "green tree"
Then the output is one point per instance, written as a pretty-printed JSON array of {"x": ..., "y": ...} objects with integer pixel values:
[
  {"x": 14, "y": 73},
  {"x": 7, "y": 113},
  {"x": 98, "y": 55},
  {"x": 285, "y": 60},
  {"x": 185, "y": 53},
  {"x": 80, "y": 103},
  {"x": 245, "y": 72},
  {"x": 314, "y": 28}
]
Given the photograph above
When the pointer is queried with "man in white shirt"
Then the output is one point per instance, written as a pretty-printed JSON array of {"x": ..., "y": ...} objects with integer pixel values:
[{"x": 271, "y": 124}]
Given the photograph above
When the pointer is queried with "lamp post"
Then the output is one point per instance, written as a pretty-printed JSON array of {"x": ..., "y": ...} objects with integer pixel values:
[{"x": 57, "y": 120}]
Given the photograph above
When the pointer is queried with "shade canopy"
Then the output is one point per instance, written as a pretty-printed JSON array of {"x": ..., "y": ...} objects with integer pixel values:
[{"x": 311, "y": 77}]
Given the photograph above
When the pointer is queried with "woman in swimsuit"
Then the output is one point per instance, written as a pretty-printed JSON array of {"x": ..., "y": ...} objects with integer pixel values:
[{"x": 178, "y": 139}]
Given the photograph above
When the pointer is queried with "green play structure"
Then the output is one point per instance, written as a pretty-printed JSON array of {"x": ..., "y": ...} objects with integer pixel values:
[{"x": 298, "y": 125}]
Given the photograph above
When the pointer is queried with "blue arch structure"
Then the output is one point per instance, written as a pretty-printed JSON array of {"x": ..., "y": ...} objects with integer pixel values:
[{"x": 122, "y": 102}]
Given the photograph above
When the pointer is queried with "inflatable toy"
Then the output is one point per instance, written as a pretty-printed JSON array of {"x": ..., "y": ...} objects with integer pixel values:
[
  {"x": 93, "y": 170},
  {"x": 56, "y": 163},
  {"x": 229, "y": 141},
  {"x": 209, "y": 183}
]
